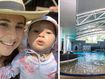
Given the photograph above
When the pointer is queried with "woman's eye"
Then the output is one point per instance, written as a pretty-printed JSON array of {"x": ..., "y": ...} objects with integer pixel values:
[
  {"x": 4, "y": 24},
  {"x": 19, "y": 27}
]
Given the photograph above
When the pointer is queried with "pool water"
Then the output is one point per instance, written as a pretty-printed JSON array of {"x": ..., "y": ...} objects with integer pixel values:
[{"x": 88, "y": 63}]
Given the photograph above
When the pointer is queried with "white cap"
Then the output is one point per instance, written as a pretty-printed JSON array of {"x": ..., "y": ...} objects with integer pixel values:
[{"x": 47, "y": 18}]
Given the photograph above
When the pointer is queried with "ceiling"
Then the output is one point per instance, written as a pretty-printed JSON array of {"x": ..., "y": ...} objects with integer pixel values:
[{"x": 70, "y": 8}]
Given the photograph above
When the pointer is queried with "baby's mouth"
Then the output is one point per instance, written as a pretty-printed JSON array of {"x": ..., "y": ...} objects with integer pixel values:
[{"x": 40, "y": 42}]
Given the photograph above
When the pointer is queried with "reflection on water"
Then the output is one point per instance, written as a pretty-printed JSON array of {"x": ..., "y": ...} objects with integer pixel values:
[{"x": 88, "y": 63}]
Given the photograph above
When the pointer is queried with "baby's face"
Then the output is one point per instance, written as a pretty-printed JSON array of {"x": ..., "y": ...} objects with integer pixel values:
[{"x": 41, "y": 36}]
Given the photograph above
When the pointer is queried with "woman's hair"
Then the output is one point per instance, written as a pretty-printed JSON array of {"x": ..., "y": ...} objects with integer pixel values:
[{"x": 8, "y": 60}]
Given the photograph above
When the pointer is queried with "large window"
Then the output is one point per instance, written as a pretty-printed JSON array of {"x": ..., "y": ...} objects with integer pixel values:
[{"x": 93, "y": 38}]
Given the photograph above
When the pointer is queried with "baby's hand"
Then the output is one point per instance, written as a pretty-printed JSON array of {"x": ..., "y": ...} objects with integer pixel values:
[{"x": 4, "y": 73}]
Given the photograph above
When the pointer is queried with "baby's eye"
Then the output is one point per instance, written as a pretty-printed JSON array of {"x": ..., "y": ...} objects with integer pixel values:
[
  {"x": 49, "y": 32},
  {"x": 35, "y": 31}
]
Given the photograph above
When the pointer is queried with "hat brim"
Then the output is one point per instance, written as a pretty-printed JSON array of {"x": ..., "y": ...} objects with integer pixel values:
[{"x": 29, "y": 15}]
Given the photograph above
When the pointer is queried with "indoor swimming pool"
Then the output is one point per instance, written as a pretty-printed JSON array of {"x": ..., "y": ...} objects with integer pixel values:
[{"x": 88, "y": 64}]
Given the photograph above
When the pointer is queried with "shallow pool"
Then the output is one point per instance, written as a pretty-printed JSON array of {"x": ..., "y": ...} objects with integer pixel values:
[{"x": 88, "y": 64}]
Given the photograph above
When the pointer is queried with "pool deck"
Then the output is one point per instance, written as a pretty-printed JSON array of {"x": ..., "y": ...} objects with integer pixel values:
[
  {"x": 89, "y": 63},
  {"x": 72, "y": 77}
]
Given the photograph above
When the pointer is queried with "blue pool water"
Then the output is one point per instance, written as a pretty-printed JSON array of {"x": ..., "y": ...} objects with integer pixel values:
[
  {"x": 88, "y": 63},
  {"x": 91, "y": 56}
]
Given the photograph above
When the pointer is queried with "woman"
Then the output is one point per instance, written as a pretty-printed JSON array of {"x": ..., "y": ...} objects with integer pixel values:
[{"x": 13, "y": 18}]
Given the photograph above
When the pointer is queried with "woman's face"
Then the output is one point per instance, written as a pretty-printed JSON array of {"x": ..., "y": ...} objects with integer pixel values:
[
  {"x": 42, "y": 36},
  {"x": 11, "y": 33}
]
